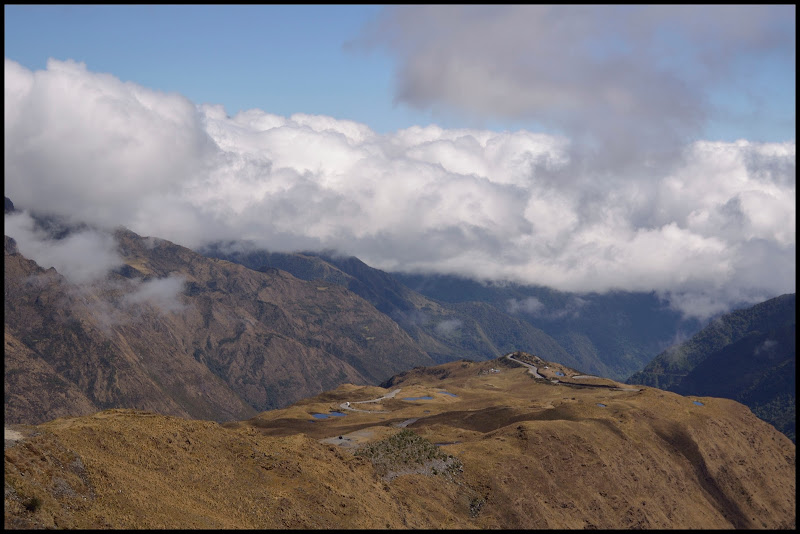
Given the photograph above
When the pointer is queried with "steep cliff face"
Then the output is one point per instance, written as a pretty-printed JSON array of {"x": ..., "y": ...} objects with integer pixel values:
[
  {"x": 178, "y": 333},
  {"x": 481, "y": 445}
]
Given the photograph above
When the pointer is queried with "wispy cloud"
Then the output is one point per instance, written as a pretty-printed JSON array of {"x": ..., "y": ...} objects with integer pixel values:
[
  {"x": 162, "y": 293},
  {"x": 85, "y": 258},
  {"x": 449, "y": 327},
  {"x": 529, "y": 305},
  {"x": 620, "y": 80},
  {"x": 713, "y": 226},
  {"x": 82, "y": 257}
]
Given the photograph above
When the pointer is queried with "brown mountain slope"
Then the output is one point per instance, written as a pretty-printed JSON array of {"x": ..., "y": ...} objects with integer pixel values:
[
  {"x": 513, "y": 452},
  {"x": 213, "y": 341}
]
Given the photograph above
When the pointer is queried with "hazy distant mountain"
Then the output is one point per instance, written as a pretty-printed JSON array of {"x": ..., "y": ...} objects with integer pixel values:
[
  {"x": 178, "y": 333},
  {"x": 747, "y": 355},
  {"x": 445, "y": 331},
  {"x": 612, "y": 334}
]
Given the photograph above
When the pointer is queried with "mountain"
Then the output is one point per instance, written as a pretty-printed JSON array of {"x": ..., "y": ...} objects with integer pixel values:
[
  {"x": 612, "y": 334},
  {"x": 175, "y": 332},
  {"x": 461, "y": 445},
  {"x": 445, "y": 331},
  {"x": 747, "y": 355}
]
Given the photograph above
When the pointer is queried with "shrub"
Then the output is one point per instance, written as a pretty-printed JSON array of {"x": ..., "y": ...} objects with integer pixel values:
[
  {"x": 33, "y": 504},
  {"x": 406, "y": 452}
]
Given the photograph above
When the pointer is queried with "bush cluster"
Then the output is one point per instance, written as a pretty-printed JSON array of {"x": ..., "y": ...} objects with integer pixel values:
[{"x": 407, "y": 452}]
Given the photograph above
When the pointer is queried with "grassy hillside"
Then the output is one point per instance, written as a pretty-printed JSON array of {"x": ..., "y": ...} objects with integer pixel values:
[{"x": 467, "y": 445}]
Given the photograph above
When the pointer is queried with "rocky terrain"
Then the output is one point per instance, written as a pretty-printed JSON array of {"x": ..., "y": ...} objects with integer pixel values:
[{"x": 479, "y": 445}]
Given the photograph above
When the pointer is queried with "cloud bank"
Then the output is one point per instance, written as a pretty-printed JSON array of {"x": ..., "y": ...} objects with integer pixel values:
[{"x": 711, "y": 227}]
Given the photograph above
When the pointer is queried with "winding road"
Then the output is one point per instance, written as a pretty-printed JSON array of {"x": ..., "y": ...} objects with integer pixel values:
[
  {"x": 531, "y": 368},
  {"x": 346, "y": 405}
]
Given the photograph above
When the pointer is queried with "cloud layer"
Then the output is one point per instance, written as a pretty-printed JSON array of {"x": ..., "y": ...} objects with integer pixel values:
[{"x": 713, "y": 226}]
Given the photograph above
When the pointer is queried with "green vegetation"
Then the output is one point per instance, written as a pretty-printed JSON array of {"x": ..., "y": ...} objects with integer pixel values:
[
  {"x": 748, "y": 355},
  {"x": 781, "y": 412},
  {"x": 406, "y": 453}
]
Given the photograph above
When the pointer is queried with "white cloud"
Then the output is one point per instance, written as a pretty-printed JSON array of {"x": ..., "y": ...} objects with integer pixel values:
[
  {"x": 163, "y": 293},
  {"x": 530, "y": 305},
  {"x": 82, "y": 257},
  {"x": 449, "y": 327},
  {"x": 711, "y": 228}
]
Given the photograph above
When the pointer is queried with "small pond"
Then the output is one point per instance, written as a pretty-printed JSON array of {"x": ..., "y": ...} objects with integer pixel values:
[
  {"x": 418, "y": 398},
  {"x": 327, "y": 415},
  {"x": 448, "y": 393},
  {"x": 698, "y": 403},
  {"x": 559, "y": 373},
  {"x": 601, "y": 404}
]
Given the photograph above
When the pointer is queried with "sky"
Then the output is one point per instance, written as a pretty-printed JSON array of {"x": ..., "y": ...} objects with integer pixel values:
[{"x": 584, "y": 148}]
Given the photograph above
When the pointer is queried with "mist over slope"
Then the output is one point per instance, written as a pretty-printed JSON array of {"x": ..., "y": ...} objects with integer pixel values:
[{"x": 172, "y": 331}]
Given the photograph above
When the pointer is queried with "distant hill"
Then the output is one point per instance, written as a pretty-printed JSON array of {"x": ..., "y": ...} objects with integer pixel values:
[{"x": 748, "y": 355}]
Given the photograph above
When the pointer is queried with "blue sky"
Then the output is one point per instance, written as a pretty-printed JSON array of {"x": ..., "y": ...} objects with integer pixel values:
[
  {"x": 287, "y": 59},
  {"x": 583, "y": 148},
  {"x": 282, "y": 59}
]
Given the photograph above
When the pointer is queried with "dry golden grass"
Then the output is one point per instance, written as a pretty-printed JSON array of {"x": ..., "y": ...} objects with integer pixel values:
[{"x": 534, "y": 454}]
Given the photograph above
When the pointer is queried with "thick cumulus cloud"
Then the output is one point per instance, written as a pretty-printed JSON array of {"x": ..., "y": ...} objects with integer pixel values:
[{"x": 713, "y": 227}]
